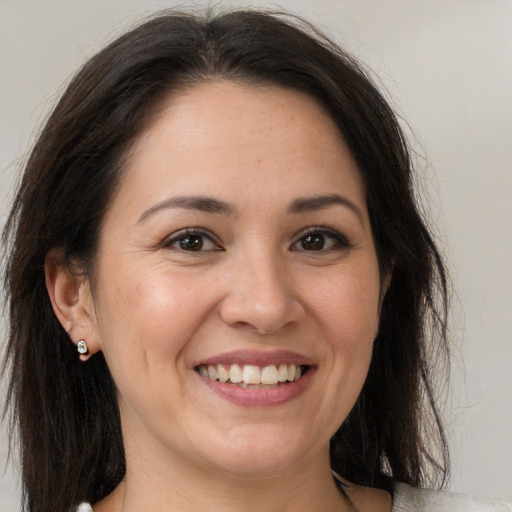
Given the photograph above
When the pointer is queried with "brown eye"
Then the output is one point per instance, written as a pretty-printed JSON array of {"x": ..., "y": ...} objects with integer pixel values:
[
  {"x": 313, "y": 242},
  {"x": 191, "y": 242},
  {"x": 320, "y": 240}
]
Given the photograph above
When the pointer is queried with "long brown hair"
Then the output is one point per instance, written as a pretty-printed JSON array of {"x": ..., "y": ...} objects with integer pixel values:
[{"x": 65, "y": 412}]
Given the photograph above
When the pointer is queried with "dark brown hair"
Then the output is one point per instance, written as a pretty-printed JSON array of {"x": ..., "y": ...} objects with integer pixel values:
[{"x": 64, "y": 411}]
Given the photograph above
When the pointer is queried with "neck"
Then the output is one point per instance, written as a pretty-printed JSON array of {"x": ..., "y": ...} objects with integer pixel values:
[{"x": 187, "y": 487}]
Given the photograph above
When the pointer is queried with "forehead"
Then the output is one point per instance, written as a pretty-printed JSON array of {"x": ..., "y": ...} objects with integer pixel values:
[{"x": 228, "y": 136}]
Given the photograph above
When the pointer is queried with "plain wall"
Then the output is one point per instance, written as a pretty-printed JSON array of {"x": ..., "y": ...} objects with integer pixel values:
[{"x": 447, "y": 64}]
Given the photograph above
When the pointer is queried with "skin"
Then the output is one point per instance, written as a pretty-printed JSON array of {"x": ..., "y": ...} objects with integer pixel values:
[{"x": 156, "y": 309}]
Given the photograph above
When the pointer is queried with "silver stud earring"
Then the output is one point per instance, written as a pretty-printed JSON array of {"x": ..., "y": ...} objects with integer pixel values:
[{"x": 82, "y": 348}]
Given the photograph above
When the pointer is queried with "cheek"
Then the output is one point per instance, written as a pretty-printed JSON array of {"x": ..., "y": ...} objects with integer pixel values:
[
  {"x": 151, "y": 313},
  {"x": 347, "y": 305},
  {"x": 347, "y": 311},
  {"x": 146, "y": 320}
]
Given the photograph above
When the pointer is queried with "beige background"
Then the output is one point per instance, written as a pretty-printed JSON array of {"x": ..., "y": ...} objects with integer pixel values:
[{"x": 448, "y": 66}]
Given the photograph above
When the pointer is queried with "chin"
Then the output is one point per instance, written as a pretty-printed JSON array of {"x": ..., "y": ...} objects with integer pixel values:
[{"x": 260, "y": 451}]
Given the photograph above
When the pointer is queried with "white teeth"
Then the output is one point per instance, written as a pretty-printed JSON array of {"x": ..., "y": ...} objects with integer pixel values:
[
  {"x": 269, "y": 375},
  {"x": 251, "y": 374},
  {"x": 283, "y": 373},
  {"x": 212, "y": 372},
  {"x": 235, "y": 374},
  {"x": 223, "y": 373}
]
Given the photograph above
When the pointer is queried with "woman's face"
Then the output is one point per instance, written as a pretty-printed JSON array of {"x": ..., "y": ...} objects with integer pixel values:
[{"x": 237, "y": 248}]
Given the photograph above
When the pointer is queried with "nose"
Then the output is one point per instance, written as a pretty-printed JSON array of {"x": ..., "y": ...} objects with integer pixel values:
[{"x": 261, "y": 296}]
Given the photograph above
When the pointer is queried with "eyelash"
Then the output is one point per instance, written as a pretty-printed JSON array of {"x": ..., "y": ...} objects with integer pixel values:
[
  {"x": 189, "y": 232},
  {"x": 339, "y": 241}
]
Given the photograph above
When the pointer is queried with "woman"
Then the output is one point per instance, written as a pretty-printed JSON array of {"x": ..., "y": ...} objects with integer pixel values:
[{"x": 222, "y": 295}]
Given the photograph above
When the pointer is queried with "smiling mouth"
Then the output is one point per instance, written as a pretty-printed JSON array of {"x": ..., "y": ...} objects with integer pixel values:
[{"x": 253, "y": 376}]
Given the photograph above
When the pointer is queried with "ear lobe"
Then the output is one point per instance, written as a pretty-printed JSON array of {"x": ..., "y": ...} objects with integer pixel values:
[{"x": 71, "y": 300}]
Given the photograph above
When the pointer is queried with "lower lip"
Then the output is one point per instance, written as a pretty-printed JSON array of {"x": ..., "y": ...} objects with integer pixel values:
[{"x": 259, "y": 397}]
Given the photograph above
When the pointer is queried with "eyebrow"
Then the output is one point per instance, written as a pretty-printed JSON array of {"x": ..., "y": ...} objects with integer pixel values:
[
  {"x": 315, "y": 203},
  {"x": 211, "y": 205},
  {"x": 199, "y": 203}
]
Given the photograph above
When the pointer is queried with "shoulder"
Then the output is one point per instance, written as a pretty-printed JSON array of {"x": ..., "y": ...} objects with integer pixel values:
[{"x": 410, "y": 499}]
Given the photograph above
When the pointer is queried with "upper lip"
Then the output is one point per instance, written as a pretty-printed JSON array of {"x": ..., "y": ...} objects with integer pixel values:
[{"x": 256, "y": 358}]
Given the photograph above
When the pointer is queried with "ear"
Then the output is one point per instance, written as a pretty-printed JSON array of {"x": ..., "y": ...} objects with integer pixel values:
[
  {"x": 72, "y": 302},
  {"x": 386, "y": 281},
  {"x": 384, "y": 287}
]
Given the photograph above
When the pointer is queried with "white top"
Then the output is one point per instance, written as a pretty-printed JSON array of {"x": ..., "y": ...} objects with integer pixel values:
[
  {"x": 84, "y": 507},
  {"x": 411, "y": 499}
]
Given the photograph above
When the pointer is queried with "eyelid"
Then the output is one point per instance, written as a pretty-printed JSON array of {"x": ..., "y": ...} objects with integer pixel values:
[
  {"x": 342, "y": 240},
  {"x": 174, "y": 237}
]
